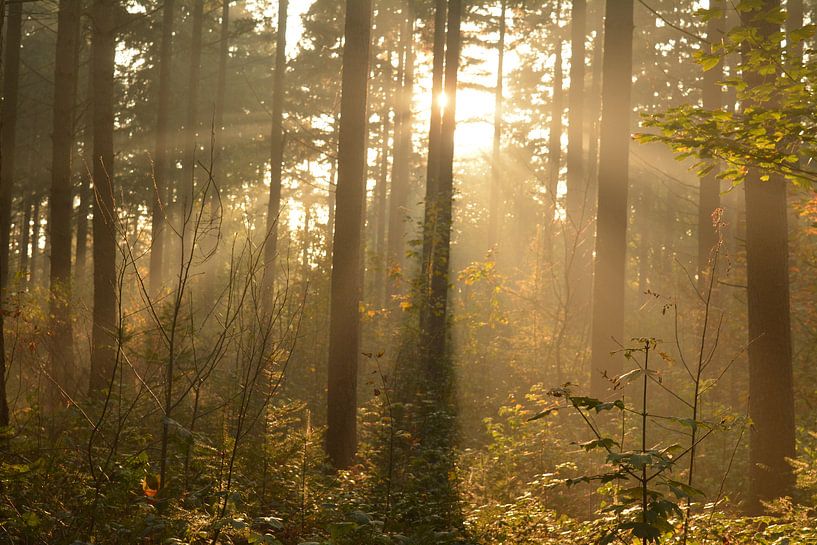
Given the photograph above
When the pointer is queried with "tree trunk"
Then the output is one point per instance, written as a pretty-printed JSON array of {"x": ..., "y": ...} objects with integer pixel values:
[
  {"x": 161, "y": 191},
  {"x": 614, "y": 149},
  {"x": 276, "y": 150},
  {"x": 576, "y": 181},
  {"x": 341, "y": 433},
  {"x": 555, "y": 132},
  {"x": 771, "y": 398},
  {"x": 709, "y": 197},
  {"x": 380, "y": 208},
  {"x": 25, "y": 240},
  {"x": 435, "y": 328},
  {"x": 60, "y": 202},
  {"x": 495, "y": 208},
  {"x": 8, "y": 129},
  {"x": 433, "y": 162},
  {"x": 188, "y": 185},
  {"x": 401, "y": 165},
  {"x": 103, "y": 341}
]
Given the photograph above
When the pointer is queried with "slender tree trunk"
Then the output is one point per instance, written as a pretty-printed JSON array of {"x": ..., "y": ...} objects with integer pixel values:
[
  {"x": 380, "y": 208},
  {"x": 103, "y": 51},
  {"x": 188, "y": 184},
  {"x": 495, "y": 207},
  {"x": 401, "y": 165},
  {"x": 277, "y": 143},
  {"x": 436, "y": 330},
  {"x": 611, "y": 239},
  {"x": 771, "y": 398},
  {"x": 161, "y": 192},
  {"x": 709, "y": 193},
  {"x": 25, "y": 240},
  {"x": 341, "y": 433},
  {"x": 8, "y": 128},
  {"x": 576, "y": 179},
  {"x": 35, "y": 239},
  {"x": 555, "y": 132},
  {"x": 60, "y": 202},
  {"x": 4, "y": 407}
]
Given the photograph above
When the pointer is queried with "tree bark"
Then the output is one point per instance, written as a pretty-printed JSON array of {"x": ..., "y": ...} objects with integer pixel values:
[
  {"x": 277, "y": 144},
  {"x": 341, "y": 433},
  {"x": 771, "y": 396},
  {"x": 555, "y": 131},
  {"x": 161, "y": 190},
  {"x": 611, "y": 239},
  {"x": 60, "y": 202},
  {"x": 103, "y": 339}
]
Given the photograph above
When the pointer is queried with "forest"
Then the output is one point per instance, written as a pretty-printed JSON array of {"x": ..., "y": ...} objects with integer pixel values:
[{"x": 408, "y": 272}]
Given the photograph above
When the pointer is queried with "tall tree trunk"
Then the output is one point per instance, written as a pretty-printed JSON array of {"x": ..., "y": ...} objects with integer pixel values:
[
  {"x": 161, "y": 191},
  {"x": 495, "y": 208},
  {"x": 576, "y": 180},
  {"x": 433, "y": 162},
  {"x": 60, "y": 202},
  {"x": 435, "y": 328},
  {"x": 103, "y": 340},
  {"x": 401, "y": 165},
  {"x": 614, "y": 150},
  {"x": 188, "y": 185},
  {"x": 771, "y": 398},
  {"x": 341, "y": 433},
  {"x": 276, "y": 150},
  {"x": 709, "y": 193},
  {"x": 578, "y": 256},
  {"x": 555, "y": 132},
  {"x": 380, "y": 208},
  {"x": 8, "y": 128}
]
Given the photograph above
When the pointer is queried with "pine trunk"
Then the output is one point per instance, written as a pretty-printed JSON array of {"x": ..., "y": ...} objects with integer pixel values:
[
  {"x": 614, "y": 149},
  {"x": 344, "y": 342}
]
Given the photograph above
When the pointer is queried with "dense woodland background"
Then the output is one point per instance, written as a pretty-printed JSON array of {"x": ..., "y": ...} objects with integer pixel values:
[{"x": 408, "y": 271}]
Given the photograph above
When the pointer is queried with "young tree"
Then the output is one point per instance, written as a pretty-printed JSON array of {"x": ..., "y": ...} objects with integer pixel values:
[
  {"x": 611, "y": 239},
  {"x": 103, "y": 53},
  {"x": 161, "y": 191},
  {"x": 344, "y": 320},
  {"x": 709, "y": 196},
  {"x": 61, "y": 342},
  {"x": 276, "y": 149}
]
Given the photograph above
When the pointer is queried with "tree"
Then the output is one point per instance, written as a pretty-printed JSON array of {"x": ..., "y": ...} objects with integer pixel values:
[
  {"x": 276, "y": 150},
  {"x": 434, "y": 327},
  {"x": 161, "y": 191},
  {"x": 401, "y": 164},
  {"x": 103, "y": 53},
  {"x": 188, "y": 185},
  {"x": 341, "y": 432},
  {"x": 611, "y": 239},
  {"x": 709, "y": 196},
  {"x": 771, "y": 393},
  {"x": 8, "y": 126},
  {"x": 496, "y": 156},
  {"x": 61, "y": 344}
]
